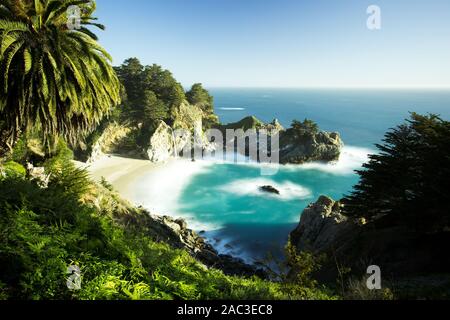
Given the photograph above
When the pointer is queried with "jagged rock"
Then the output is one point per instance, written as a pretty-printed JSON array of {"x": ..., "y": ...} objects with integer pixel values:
[
  {"x": 397, "y": 250},
  {"x": 110, "y": 142},
  {"x": 321, "y": 224},
  {"x": 293, "y": 148},
  {"x": 320, "y": 146},
  {"x": 185, "y": 135},
  {"x": 269, "y": 189},
  {"x": 176, "y": 233},
  {"x": 162, "y": 144}
]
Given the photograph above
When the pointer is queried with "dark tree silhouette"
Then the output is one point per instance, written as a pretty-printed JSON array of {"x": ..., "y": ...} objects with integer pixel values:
[{"x": 408, "y": 182}]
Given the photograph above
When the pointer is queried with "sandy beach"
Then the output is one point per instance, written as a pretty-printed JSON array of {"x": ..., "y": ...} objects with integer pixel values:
[
  {"x": 156, "y": 187},
  {"x": 121, "y": 172}
]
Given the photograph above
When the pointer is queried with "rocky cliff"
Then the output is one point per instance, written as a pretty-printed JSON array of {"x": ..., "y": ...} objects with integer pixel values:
[
  {"x": 399, "y": 251},
  {"x": 187, "y": 130},
  {"x": 320, "y": 146},
  {"x": 176, "y": 233},
  {"x": 110, "y": 138},
  {"x": 186, "y": 134},
  {"x": 294, "y": 147},
  {"x": 321, "y": 226},
  {"x": 109, "y": 141}
]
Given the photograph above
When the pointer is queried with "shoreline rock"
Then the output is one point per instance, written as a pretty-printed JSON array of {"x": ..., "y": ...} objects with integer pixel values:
[
  {"x": 399, "y": 251},
  {"x": 167, "y": 142},
  {"x": 321, "y": 225},
  {"x": 320, "y": 146},
  {"x": 294, "y": 148},
  {"x": 176, "y": 233}
]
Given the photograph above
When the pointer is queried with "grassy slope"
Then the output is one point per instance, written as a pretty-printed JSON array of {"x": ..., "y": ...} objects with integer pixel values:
[{"x": 76, "y": 222}]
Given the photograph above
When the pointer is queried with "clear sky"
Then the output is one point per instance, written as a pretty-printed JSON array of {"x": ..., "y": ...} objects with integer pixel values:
[{"x": 284, "y": 43}]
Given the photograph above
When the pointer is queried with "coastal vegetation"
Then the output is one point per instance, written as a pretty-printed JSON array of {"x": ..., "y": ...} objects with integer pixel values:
[
  {"x": 74, "y": 221},
  {"x": 56, "y": 218},
  {"x": 414, "y": 158},
  {"x": 55, "y": 80},
  {"x": 59, "y": 94},
  {"x": 397, "y": 217}
]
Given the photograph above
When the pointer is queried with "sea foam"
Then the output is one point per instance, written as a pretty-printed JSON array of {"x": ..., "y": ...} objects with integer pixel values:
[
  {"x": 351, "y": 159},
  {"x": 232, "y": 109},
  {"x": 160, "y": 189},
  {"x": 251, "y": 187}
]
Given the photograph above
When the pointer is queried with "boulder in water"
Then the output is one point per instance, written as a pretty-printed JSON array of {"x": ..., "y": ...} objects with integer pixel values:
[{"x": 269, "y": 189}]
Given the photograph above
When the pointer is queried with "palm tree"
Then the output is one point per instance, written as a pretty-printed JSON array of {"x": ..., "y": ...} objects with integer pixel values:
[{"x": 53, "y": 77}]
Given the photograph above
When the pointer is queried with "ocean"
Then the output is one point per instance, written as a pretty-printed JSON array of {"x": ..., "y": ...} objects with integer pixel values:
[{"x": 223, "y": 202}]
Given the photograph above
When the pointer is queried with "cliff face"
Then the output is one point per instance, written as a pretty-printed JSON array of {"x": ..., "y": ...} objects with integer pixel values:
[
  {"x": 162, "y": 144},
  {"x": 399, "y": 252},
  {"x": 109, "y": 141},
  {"x": 170, "y": 140},
  {"x": 113, "y": 138},
  {"x": 321, "y": 226},
  {"x": 187, "y": 128}
]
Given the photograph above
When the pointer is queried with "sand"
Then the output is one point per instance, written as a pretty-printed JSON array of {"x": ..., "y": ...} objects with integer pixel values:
[
  {"x": 156, "y": 187},
  {"x": 120, "y": 172}
]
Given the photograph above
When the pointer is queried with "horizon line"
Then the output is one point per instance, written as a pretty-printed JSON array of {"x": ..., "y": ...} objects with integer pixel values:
[{"x": 330, "y": 87}]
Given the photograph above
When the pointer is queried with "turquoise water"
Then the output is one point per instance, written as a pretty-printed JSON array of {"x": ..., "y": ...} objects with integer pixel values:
[{"x": 240, "y": 220}]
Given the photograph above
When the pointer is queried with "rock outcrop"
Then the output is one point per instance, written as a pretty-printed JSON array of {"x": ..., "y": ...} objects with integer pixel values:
[
  {"x": 321, "y": 225},
  {"x": 269, "y": 189},
  {"x": 397, "y": 250},
  {"x": 185, "y": 135},
  {"x": 176, "y": 233},
  {"x": 251, "y": 122},
  {"x": 320, "y": 146},
  {"x": 113, "y": 139},
  {"x": 294, "y": 147},
  {"x": 162, "y": 144}
]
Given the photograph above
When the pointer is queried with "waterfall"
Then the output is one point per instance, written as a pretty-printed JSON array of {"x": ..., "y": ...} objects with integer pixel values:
[{"x": 174, "y": 145}]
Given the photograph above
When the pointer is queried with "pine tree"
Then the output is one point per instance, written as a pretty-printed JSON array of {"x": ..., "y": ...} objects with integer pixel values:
[{"x": 407, "y": 183}]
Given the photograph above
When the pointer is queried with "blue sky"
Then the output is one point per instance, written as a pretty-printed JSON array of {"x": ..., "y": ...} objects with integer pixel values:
[{"x": 284, "y": 43}]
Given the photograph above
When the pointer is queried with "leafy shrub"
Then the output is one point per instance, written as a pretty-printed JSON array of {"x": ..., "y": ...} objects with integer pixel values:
[
  {"x": 357, "y": 290},
  {"x": 60, "y": 157},
  {"x": 305, "y": 128},
  {"x": 13, "y": 170}
]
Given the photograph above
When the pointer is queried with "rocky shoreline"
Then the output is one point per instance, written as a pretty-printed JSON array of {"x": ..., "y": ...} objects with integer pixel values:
[
  {"x": 176, "y": 233},
  {"x": 169, "y": 141},
  {"x": 296, "y": 146},
  {"x": 351, "y": 244}
]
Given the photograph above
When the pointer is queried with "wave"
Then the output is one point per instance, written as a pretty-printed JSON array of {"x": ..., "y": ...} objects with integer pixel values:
[
  {"x": 251, "y": 187},
  {"x": 351, "y": 159},
  {"x": 160, "y": 189},
  {"x": 232, "y": 109},
  {"x": 228, "y": 246}
]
